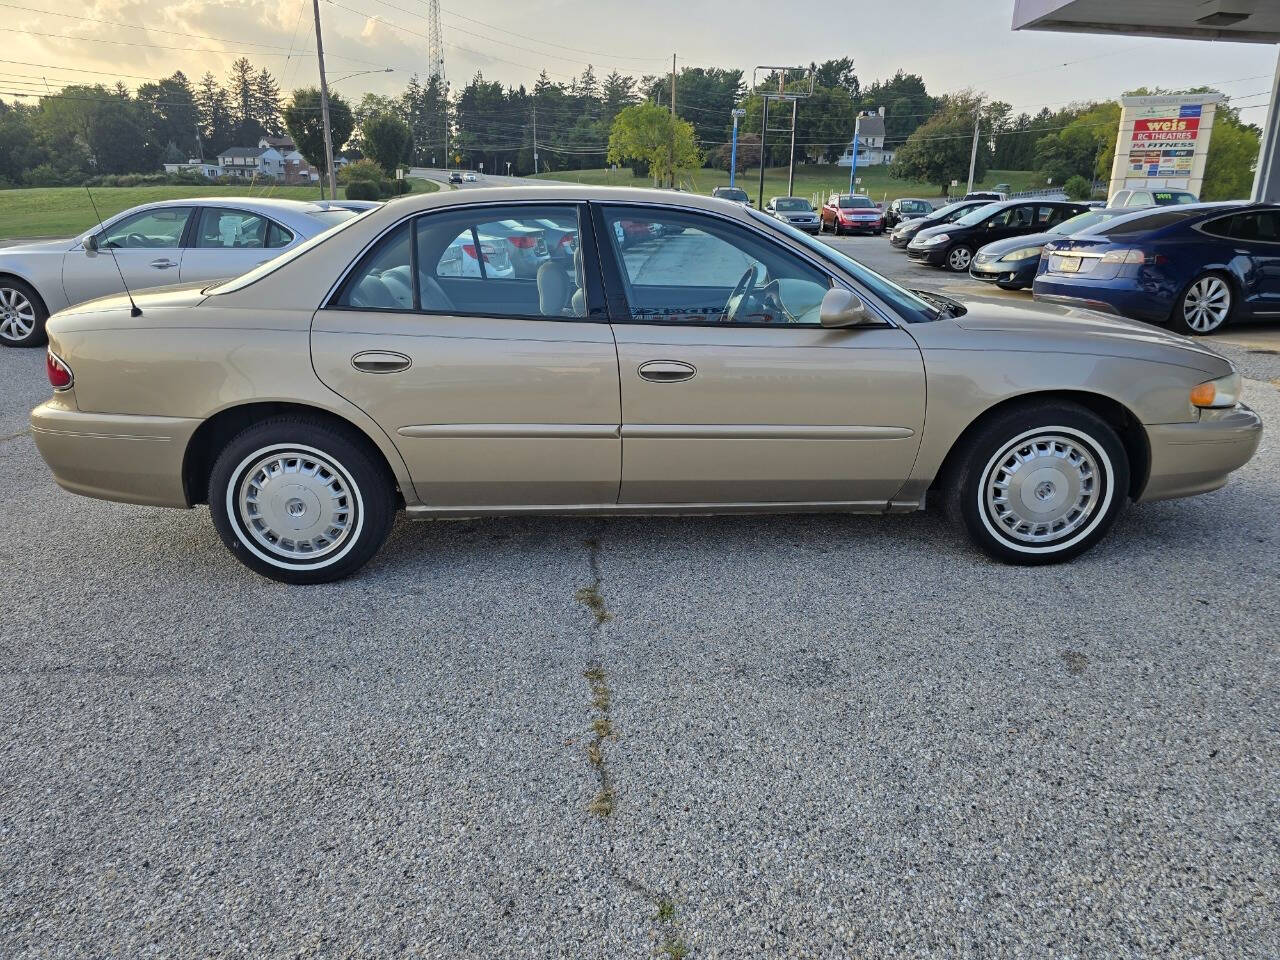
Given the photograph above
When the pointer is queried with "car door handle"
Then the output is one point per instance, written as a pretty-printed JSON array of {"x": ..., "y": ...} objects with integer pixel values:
[
  {"x": 666, "y": 371},
  {"x": 164, "y": 263},
  {"x": 380, "y": 361}
]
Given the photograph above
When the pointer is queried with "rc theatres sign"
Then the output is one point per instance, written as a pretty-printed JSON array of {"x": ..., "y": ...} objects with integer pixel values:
[{"x": 1163, "y": 142}]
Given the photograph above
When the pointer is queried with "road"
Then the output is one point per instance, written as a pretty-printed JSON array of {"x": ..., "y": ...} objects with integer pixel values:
[{"x": 800, "y": 736}]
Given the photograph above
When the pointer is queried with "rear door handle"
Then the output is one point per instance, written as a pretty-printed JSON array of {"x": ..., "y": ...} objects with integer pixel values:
[
  {"x": 666, "y": 371},
  {"x": 164, "y": 263},
  {"x": 380, "y": 361}
]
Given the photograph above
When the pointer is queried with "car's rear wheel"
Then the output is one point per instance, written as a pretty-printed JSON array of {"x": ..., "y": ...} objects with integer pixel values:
[
  {"x": 300, "y": 500},
  {"x": 1205, "y": 306},
  {"x": 958, "y": 258},
  {"x": 1039, "y": 483},
  {"x": 22, "y": 314}
]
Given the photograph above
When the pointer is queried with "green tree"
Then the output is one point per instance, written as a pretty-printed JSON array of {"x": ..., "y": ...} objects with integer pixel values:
[
  {"x": 938, "y": 151},
  {"x": 1233, "y": 150},
  {"x": 387, "y": 141},
  {"x": 169, "y": 112},
  {"x": 1078, "y": 188},
  {"x": 244, "y": 102},
  {"x": 213, "y": 108},
  {"x": 647, "y": 133},
  {"x": 266, "y": 103},
  {"x": 306, "y": 127}
]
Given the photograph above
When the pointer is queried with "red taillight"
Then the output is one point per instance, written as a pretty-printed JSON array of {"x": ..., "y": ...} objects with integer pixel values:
[
  {"x": 522, "y": 243},
  {"x": 567, "y": 240},
  {"x": 486, "y": 251},
  {"x": 60, "y": 376}
]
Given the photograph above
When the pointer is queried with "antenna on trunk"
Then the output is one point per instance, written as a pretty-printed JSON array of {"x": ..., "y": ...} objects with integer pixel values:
[{"x": 92, "y": 244}]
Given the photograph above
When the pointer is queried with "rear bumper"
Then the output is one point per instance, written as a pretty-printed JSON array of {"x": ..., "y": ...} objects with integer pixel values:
[
  {"x": 1191, "y": 458},
  {"x": 112, "y": 457},
  {"x": 1119, "y": 295}
]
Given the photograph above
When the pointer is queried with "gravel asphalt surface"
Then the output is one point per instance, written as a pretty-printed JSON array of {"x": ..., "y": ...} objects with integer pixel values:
[{"x": 819, "y": 737}]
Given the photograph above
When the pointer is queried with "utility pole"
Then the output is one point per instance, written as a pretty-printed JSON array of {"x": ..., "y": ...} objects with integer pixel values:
[
  {"x": 324, "y": 108},
  {"x": 535, "y": 141},
  {"x": 764, "y": 132},
  {"x": 737, "y": 113},
  {"x": 973, "y": 154},
  {"x": 791, "y": 167},
  {"x": 671, "y": 139},
  {"x": 853, "y": 160}
]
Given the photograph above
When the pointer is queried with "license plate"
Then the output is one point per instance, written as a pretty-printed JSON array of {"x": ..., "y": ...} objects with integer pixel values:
[{"x": 1068, "y": 265}]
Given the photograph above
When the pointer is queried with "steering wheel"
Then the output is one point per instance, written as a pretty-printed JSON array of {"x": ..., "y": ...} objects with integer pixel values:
[
  {"x": 742, "y": 290},
  {"x": 135, "y": 240}
]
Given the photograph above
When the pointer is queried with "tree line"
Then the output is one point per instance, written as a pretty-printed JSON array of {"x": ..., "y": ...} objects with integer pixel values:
[{"x": 91, "y": 130}]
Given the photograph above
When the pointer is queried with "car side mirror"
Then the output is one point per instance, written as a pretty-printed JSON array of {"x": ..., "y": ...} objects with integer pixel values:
[
  {"x": 843, "y": 308},
  {"x": 91, "y": 243}
]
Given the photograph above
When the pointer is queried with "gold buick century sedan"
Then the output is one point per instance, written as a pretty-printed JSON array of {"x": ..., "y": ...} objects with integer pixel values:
[{"x": 575, "y": 350}]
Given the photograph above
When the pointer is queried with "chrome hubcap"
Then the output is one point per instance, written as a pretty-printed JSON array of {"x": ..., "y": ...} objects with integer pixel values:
[
  {"x": 1207, "y": 304},
  {"x": 297, "y": 505},
  {"x": 959, "y": 258},
  {"x": 1042, "y": 488},
  {"x": 17, "y": 315}
]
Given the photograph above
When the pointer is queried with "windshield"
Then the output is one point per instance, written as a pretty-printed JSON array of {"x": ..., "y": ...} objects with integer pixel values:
[
  {"x": 974, "y": 217},
  {"x": 850, "y": 203},
  {"x": 791, "y": 203},
  {"x": 910, "y": 307},
  {"x": 262, "y": 269},
  {"x": 915, "y": 206},
  {"x": 1166, "y": 198},
  {"x": 726, "y": 193}
]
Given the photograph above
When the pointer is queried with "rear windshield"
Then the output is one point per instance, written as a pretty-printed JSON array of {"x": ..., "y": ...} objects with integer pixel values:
[
  {"x": 849, "y": 203},
  {"x": 1147, "y": 221},
  {"x": 333, "y": 215},
  {"x": 274, "y": 264}
]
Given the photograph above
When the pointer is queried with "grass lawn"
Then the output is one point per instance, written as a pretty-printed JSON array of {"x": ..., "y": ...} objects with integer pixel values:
[
  {"x": 66, "y": 211},
  {"x": 811, "y": 180}
]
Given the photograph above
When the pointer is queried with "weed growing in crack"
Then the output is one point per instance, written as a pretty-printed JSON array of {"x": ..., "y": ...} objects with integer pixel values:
[
  {"x": 673, "y": 946},
  {"x": 590, "y": 598},
  {"x": 601, "y": 804}
]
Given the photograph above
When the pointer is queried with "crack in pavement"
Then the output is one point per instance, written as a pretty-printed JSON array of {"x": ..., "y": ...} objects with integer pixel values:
[
  {"x": 14, "y": 436},
  {"x": 667, "y": 930}
]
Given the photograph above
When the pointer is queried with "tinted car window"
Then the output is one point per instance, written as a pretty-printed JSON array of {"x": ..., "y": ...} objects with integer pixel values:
[
  {"x": 915, "y": 206},
  {"x": 150, "y": 229},
  {"x": 978, "y": 214},
  {"x": 683, "y": 267},
  {"x": 1261, "y": 226}
]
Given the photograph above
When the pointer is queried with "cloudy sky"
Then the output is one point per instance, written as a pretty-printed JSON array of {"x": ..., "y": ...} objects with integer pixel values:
[{"x": 952, "y": 45}]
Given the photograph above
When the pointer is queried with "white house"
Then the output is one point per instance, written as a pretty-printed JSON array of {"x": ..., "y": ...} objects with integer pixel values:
[
  {"x": 194, "y": 165},
  {"x": 250, "y": 163},
  {"x": 871, "y": 148}
]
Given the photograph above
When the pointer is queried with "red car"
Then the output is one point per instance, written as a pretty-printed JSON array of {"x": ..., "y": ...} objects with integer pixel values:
[{"x": 849, "y": 212}]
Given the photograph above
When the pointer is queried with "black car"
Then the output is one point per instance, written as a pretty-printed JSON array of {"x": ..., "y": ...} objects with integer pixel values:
[
  {"x": 951, "y": 245},
  {"x": 1011, "y": 264},
  {"x": 906, "y": 208},
  {"x": 455, "y": 177},
  {"x": 902, "y": 235}
]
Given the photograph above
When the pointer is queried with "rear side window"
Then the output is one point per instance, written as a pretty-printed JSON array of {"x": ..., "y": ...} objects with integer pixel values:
[
  {"x": 1262, "y": 226},
  {"x": 518, "y": 261},
  {"x": 238, "y": 229}
]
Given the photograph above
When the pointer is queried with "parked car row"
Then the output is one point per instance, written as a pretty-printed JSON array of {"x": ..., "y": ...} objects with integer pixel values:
[{"x": 953, "y": 244}]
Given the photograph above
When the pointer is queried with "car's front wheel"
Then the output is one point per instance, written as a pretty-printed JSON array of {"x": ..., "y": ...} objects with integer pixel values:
[
  {"x": 22, "y": 314},
  {"x": 1205, "y": 306},
  {"x": 958, "y": 258},
  {"x": 1039, "y": 483},
  {"x": 301, "y": 500}
]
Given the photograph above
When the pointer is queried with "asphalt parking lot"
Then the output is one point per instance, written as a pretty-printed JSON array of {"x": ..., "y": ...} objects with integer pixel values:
[{"x": 741, "y": 737}]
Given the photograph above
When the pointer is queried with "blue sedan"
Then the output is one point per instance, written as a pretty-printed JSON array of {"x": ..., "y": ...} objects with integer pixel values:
[{"x": 1196, "y": 266}]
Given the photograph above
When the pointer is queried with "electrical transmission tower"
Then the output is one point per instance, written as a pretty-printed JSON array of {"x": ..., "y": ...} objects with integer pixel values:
[{"x": 435, "y": 41}]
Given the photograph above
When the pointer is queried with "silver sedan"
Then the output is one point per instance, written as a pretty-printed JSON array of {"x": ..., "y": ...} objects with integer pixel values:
[{"x": 194, "y": 240}]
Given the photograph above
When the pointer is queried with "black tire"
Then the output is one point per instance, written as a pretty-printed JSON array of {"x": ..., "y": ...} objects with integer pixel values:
[
  {"x": 1181, "y": 319},
  {"x": 355, "y": 517},
  {"x": 19, "y": 303},
  {"x": 1082, "y": 498}
]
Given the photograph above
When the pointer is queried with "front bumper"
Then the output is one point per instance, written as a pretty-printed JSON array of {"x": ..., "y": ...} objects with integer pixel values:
[
  {"x": 1191, "y": 458},
  {"x": 933, "y": 256},
  {"x": 126, "y": 458},
  {"x": 1019, "y": 273},
  {"x": 899, "y": 242},
  {"x": 862, "y": 226}
]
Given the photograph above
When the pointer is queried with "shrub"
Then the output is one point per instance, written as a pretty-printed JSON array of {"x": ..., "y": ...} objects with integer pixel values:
[
  {"x": 1078, "y": 188},
  {"x": 363, "y": 190},
  {"x": 360, "y": 170},
  {"x": 395, "y": 188}
]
